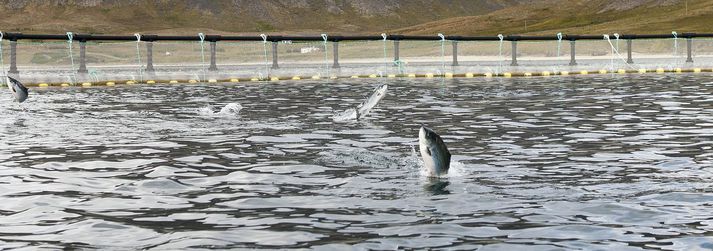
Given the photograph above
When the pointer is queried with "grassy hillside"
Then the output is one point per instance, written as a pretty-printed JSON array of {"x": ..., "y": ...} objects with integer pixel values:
[
  {"x": 232, "y": 16},
  {"x": 581, "y": 17},
  {"x": 464, "y": 17}
]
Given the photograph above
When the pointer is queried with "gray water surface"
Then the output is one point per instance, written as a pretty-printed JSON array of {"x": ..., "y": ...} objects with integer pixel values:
[{"x": 561, "y": 163}]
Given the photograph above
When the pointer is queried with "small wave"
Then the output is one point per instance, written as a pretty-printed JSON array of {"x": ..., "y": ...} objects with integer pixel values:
[{"x": 231, "y": 109}]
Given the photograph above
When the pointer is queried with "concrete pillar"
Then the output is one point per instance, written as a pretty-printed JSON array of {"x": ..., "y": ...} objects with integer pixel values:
[
  {"x": 396, "y": 50},
  {"x": 629, "y": 60},
  {"x": 572, "y": 53},
  {"x": 213, "y": 65},
  {"x": 455, "y": 53},
  {"x": 82, "y": 57},
  {"x": 689, "y": 42},
  {"x": 514, "y": 53},
  {"x": 335, "y": 49},
  {"x": 274, "y": 56},
  {"x": 13, "y": 57},
  {"x": 149, "y": 56}
]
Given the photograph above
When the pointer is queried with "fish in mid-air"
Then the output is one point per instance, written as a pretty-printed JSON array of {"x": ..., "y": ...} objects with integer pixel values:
[
  {"x": 18, "y": 90},
  {"x": 365, "y": 107},
  {"x": 434, "y": 152}
]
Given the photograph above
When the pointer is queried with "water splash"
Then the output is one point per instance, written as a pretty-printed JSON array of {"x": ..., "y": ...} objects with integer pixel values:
[
  {"x": 231, "y": 109},
  {"x": 456, "y": 168},
  {"x": 348, "y": 115}
]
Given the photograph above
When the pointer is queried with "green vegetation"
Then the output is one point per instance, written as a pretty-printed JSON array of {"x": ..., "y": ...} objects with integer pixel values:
[{"x": 425, "y": 17}]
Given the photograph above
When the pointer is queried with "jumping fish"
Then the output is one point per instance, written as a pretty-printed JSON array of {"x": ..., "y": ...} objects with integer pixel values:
[
  {"x": 365, "y": 107},
  {"x": 18, "y": 90},
  {"x": 434, "y": 152}
]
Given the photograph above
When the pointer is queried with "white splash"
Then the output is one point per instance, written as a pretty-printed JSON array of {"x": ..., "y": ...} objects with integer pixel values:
[
  {"x": 456, "y": 168},
  {"x": 231, "y": 109},
  {"x": 349, "y": 114}
]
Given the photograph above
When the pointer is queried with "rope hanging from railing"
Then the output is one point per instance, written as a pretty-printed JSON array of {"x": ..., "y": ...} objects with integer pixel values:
[
  {"x": 203, "y": 67},
  {"x": 326, "y": 57},
  {"x": 500, "y": 53},
  {"x": 616, "y": 51},
  {"x": 138, "y": 56},
  {"x": 70, "y": 41},
  {"x": 2, "y": 63},
  {"x": 386, "y": 61},
  {"x": 264, "y": 49},
  {"x": 443, "y": 52},
  {"x": 559, "y": 43}
]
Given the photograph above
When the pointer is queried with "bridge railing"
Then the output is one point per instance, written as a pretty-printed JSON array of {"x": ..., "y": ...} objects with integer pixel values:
[{"x": 140, "y": 57}]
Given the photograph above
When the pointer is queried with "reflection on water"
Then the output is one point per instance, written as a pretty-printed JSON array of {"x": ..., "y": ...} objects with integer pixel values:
[{"x": 604, "y": 162}]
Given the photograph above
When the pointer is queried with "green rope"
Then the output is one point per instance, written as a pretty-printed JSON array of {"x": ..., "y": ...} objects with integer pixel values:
[
  {"x": 386, "y": 64},
  {"x": 70, "y": 41},
  {"x": 443, "y": 53},
  {"x": 202, "y": 37},
  {"x": 326, "y": 57},
  {"x": 138, "y": 56},
  {"x": 2, "y": 63},
  {"x": 559, "y": 43},
  {"x": 500, "y": 53},
  {"x": 264, "y": 49},
  {"x": 400, "y": 64}
]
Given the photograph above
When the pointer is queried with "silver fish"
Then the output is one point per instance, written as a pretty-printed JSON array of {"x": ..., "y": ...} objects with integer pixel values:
[
  {"x": 364, "y": 108},
  {"x": 434, "y": 152},
  {"x": 18, "y": 90}
]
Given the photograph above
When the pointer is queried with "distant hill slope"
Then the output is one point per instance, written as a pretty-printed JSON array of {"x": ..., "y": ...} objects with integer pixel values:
[
  {"x": 463, "y": 17},
  {"x": 233, "y": 16},
  {"x": 581, "y": 17}
]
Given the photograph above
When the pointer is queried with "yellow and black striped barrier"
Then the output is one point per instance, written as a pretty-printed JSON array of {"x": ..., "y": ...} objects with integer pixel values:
[{"x": 373, "y": 76}]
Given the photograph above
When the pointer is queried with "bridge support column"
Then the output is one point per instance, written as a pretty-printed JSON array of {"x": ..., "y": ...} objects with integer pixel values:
[
  {"x": 274, "y": 55},
  {"x": 629, "y": 60},
  {"x": 689, "y": 44},
  {"x": 213, "y": 65},
  {"x": 514, "y": 53},
  {"x": 572, "y": 53},
  {"x": 455, "y": 53},
  {"x": 396, "y": 50},
  {"x": 82, "y": 57},
  {"x": 13, "y": 57},
  {"x": 335, "y": 50},
  {"x": 149, "y": 56}
]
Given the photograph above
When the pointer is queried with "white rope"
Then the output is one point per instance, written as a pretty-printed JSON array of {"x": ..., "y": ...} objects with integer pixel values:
[
  {"x": 386, "y": 61},
  {"x": 611, "y": 65},
  {"x": 70, "y": 41},
  {"x": 443, "y": 53},
  {"x": 500, "y": 53},
  {"x": 675, "y": 43},
  {"x": 138, "y": 56},
  {"x": 606, "y": 37},
  {"x": 2, "y": 63},
  {"x": 559, "y": 43},
  {"x": 264, "y": 48},
  {"x": 202, "y": 37},
  {"x": 326, "y": 57}
]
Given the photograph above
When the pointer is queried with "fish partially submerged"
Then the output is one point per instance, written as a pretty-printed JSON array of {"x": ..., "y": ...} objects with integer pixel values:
[
  {"x": 365, "y": 107},
  {"x": 18, "y": 90},
  {"x": 434, "y": 152}
]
